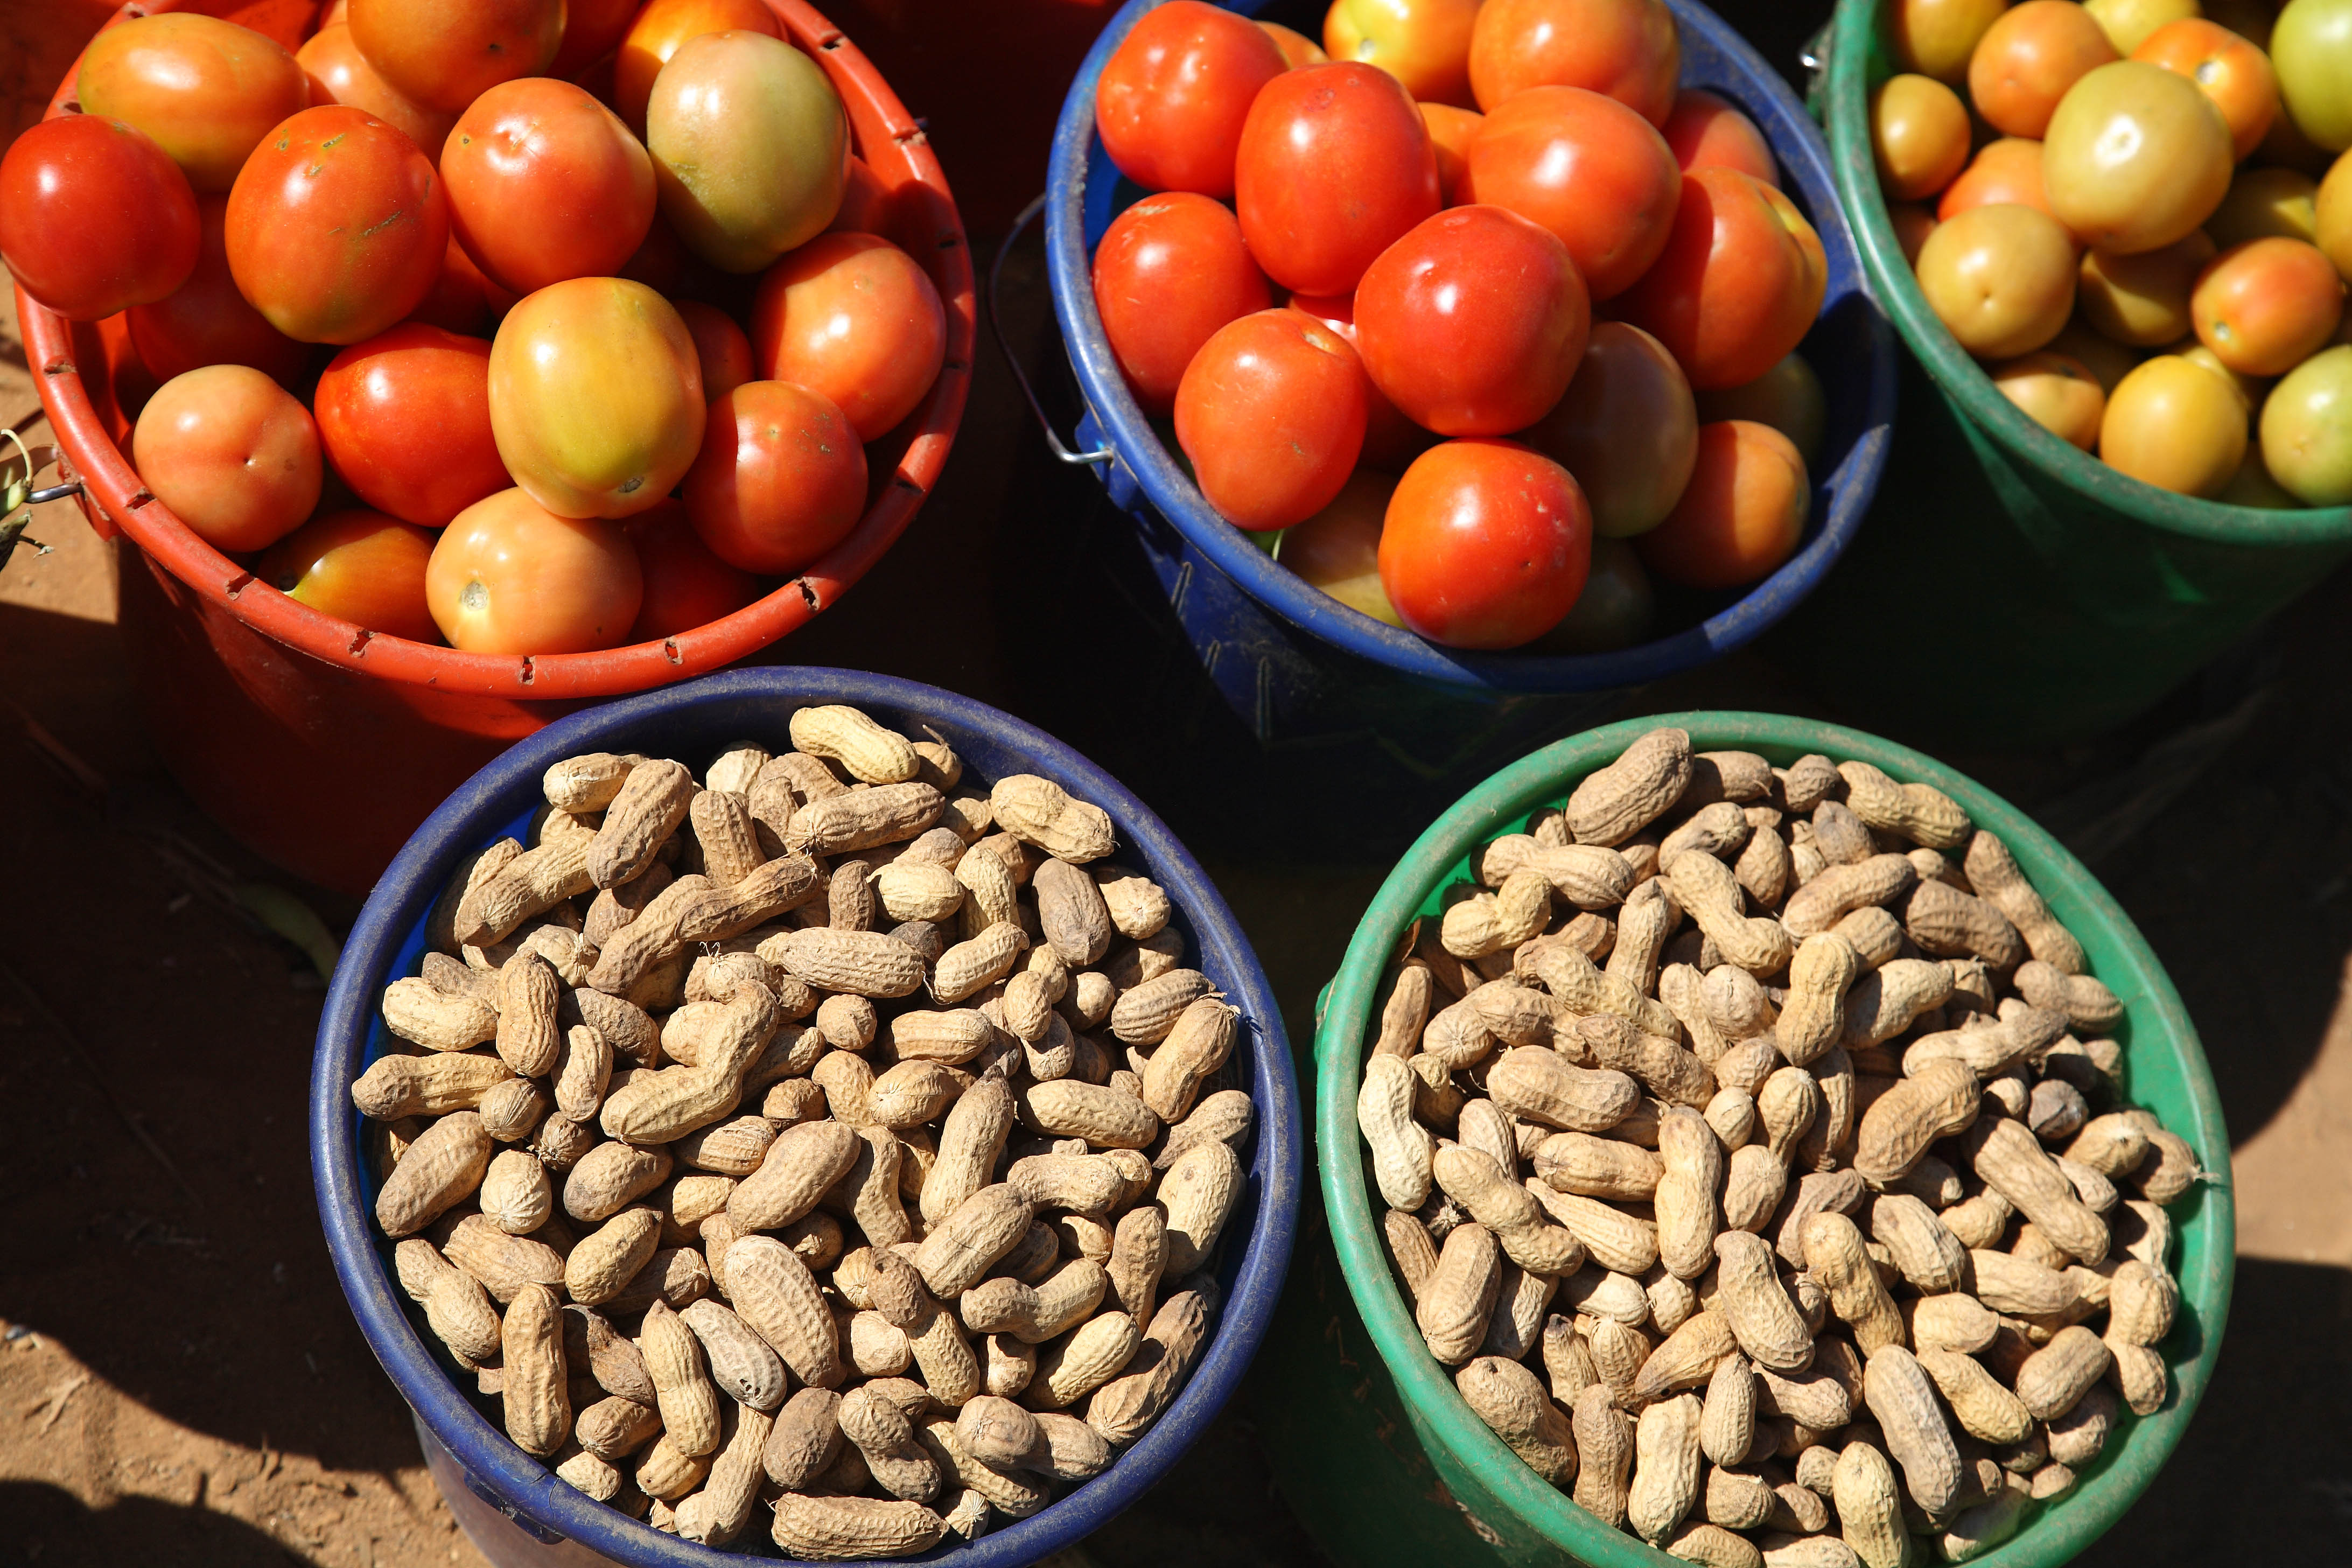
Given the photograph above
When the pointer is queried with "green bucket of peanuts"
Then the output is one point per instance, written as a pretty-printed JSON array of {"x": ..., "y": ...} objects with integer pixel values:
[{"x": 1749, "y": 1143}]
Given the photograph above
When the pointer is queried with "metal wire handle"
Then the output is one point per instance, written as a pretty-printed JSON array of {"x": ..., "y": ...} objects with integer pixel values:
[{"x": 1013, "y": 360}]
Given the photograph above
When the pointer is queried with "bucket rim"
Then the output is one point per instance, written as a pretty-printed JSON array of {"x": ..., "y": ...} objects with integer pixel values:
[
  {"x": 484, "y": 804},
  {"x": 2206, "y": 1223},
  {"x": 1797, "y": 144},
  {"x": 114, "y": 498},
  {"x": 1854, "y": 32}
]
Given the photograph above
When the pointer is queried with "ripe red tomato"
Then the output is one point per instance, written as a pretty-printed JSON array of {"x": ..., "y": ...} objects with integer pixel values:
[
  {"x": 207, "y": 322},
  {"x": 1626, "y": 48},
  {"x": 1707, "y": 132},
  {"x": 1738, "y": 284},
  {"x": 1335, "y": 165},
  {"x": 462, "y": 299},
  {"x": 94, "y": 219},
  {"x": 853, "y": 319},
  {"x": 232, "y": 454},
  {"x": 1390, "y": 440},
  {"x": 780, "y": 480},
  {"x": 341, "y": 74},
  {"x": 1173, "y": 97},
  {"x": 360, "y": 566},
  {"x": 1169, "y": 271},
  {"x": 546, "y": 184},
  {"x": 686, "y": 586},
  {"x": 592, "y": 30},
  {"x": 1486, "y": 545},
  {"x": 1741, "y": 515},
  {"x": 1474, "y": 323},
  {"x": 406, "y": 421},
  {"x": 205, "y": 89},
  {"x": 337, "y": 226},
  {"x": 1451, "y": 131},
  {"x": 510, "y": 576},
  {"x": 1271, "y": 413},
  {"x": 1587, "y": 168},
  {"x": 444, "y": 54},
  {"x": 658, "y": 32},
  {"x": 720, "y": 344}
]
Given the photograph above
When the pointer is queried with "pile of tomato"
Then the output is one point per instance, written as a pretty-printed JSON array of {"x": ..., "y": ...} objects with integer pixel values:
[
  {"x": 1469, "y": 315},
  {"x": 2128, "y": 231},
  {"x": 533, "y": 327}
]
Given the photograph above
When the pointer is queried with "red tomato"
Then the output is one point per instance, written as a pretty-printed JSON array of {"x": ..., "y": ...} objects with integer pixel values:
[
  {"x": 1335, "y": 165},
  {"x": 338, "y": 226},
  {"x": 658, "y": 32},
  {"x": 780, "y": 480},
  {"x": 1587, "y": 168},
  {"x": 1741, "y": 515},
  {"x": 1169, "y": 271},
  {"x": 661, "y": 263},
  {"x": 546, "y": 184},
  {"x": 1474, "y": 323},
  {"x": 853, "y": 319},
  {"x": 1739, "y": 283},
  {"x": 359, "y": 566},
  {"x": 510, "y": 576},
  {"x": 94, "y": 219},
  {"x": 1707, "y": 132},
  {"x": 592, "y": 30},
  {"x": 462, "y": 299},
  {"x": 232, "y": 454},
  {"x": 444, "y": 54},
  {"x": 1486, "y": 545},
  {"x": 406, "y": 420},
  {"x": 720, "y": 344},
  {"x": 1390, "y": 440},
  {"x": 865, "y": 202},
  {"x": 341, "y": 74},
  {"x": 686, "y": 586},
  {"x": 207, "y": 322},
  {"x": 2266, "y": 306},
  {"x": 1271, "y": 413},
  {"x": 1451, "y": 131},
  {"x": 1173, "y": 97},
  {"x": 1626, "y": 48},
  {"x": 205, "y": 89}
]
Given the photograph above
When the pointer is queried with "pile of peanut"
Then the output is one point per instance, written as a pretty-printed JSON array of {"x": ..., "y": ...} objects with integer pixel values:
[
  {"x": 1788, "y": 1089},
  {"x": 701, "y": 1150}
]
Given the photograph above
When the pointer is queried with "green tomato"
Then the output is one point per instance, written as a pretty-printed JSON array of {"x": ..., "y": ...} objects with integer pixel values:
[
  {"x": 751, "y": 148},
  {"x": 2311, "y": 46},
  {"x": 2307, "y": 430}
]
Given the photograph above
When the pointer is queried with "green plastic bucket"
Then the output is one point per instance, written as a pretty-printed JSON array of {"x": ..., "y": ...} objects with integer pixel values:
[
  {"x": 2060, "y": 596},
  {"x": 1369, "y": 1440}
]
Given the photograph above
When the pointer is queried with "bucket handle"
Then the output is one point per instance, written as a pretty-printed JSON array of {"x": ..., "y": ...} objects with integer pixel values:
[{"x": 996, "y": 328}]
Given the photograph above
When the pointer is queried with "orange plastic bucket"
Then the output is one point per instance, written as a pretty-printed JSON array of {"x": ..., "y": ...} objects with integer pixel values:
[{"x": 321, "y": 744}]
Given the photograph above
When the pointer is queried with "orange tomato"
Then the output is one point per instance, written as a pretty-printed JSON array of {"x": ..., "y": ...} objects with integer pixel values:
[
  {"x": 1424, "y": 44},
  {"x": 2136, "y": 157},
  {"x": 1339, "y": 549},
  {"x": 339, "y": 73},
  {"x": 1451, "y": 131},
  {"x": 1918, "y": 136},
  {"x": 852, "y": 317},
  {"x": 1738, "y": 284},
  {"x": 1912, "y": 224},
  {"x": 1627, "y": 49},
  {"x": 510, "y": 576},
  {"x": 360, "y": 566},
  {"x": 2001, "y": 279},
  {"x": 444, "y": 54},
  {"x": 1627, "y": 428},
  {"x": 1297, "y": 48},
  {"x": 781, "y": 478},
  {"x": 685, "y": 586},
  {"x": 1707, "y": 132},
  {"x": 2028, "y": 59},
  {"x": 719, "y": 345},
  {"x": 2009, "y": 170},
  {"x": 658, "y": 32},
  {"x": 2266, "y": 306},
  {"x": 592, "y": 30},
  {"x": 1742, "y": 514},
  {"x": 2141, "y": 301},
  {"x": 206, "y": 90},
  {"x": 1584, "y": 166},
  {"x": 2056, "y": 392},
  {"x": 2176, "y": 425},
  {"x": 232, "y": 454},
  {"x": 2233, "y": 73},
  {"x": 546, "y": 184}
]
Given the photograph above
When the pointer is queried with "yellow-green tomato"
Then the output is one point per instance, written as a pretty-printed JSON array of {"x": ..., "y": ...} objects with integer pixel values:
[
  {"x": 1627, "y": 428},
  {"x": 2268, "y": 203},
  {"x": 2331, "y": 218},
  {"x": 2311, "y": 47},
  {"x": 1919, "y": 135},
  {"x": 596, "y": 398},
  {"x": 2107, "y": 361},
  {"x": 2056, "y": 392},
  {"x": 2129, "y": 22},
  {"x": 1936, "y": 37},
  {"x": 2251, "y": 485},
  {"x": 751, "y": 148},
  {"x": 1615, "y": 609},
  {"x": 2142, "y": 300},
  {"x": 2136, "y": 157},
  {"x": 2001, "y": 278},
  {"x": 1339, "y": 549},
  {"x": 2176, "y": 425},
  {"x": 1788, "y": 397},
  {"x": 2307, "y": 430}
]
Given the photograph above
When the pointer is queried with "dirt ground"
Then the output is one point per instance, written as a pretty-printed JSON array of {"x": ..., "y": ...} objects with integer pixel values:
[{"x": 181, "y": 1383}]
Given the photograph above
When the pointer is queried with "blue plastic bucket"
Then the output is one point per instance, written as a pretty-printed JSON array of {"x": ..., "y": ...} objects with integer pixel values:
[
  {"x": 510, "y": 1503},
  {"x": 1329, "y": 692}
]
